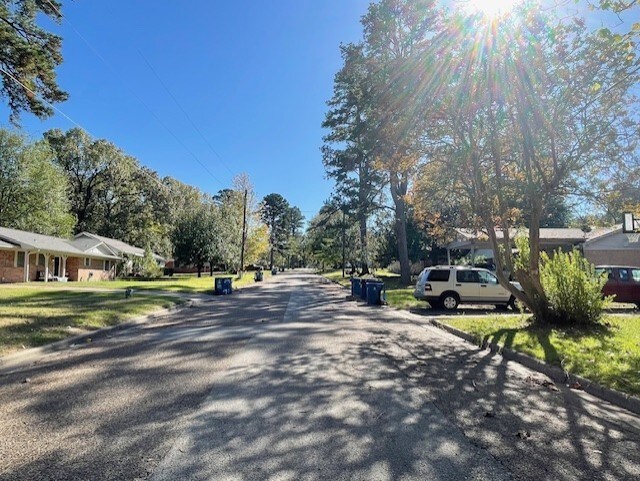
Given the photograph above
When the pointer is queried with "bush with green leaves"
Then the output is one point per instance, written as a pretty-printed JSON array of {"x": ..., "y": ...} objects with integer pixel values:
[
  {"x": 573, "y": 288},
  {"x": 147, "y": 266}
]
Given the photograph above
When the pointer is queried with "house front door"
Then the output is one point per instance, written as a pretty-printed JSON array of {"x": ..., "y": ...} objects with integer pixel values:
[{"x": 56, "y": 267}]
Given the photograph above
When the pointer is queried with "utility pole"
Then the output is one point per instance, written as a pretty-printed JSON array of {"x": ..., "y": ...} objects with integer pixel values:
[{"x": 244, "y": 233}]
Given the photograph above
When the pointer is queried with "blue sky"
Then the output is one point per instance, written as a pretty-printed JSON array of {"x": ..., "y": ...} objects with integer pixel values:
[{"x": 254, "y": 77}]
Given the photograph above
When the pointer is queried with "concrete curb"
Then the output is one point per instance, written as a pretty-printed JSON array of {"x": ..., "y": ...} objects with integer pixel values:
[
  {"x": 626, "y": 401},
  {"x": 23, "y": 359}
]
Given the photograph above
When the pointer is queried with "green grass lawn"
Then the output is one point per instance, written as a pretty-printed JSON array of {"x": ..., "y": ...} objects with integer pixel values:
[
  {"x": 609, "y": 355},
  {"x": 397, "y": 295},
  {"x": 188, "y": 284},
  {"x": 32, "y": 316}
]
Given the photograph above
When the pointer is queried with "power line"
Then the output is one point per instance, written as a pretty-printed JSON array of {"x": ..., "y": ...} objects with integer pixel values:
[
  {"x": 42, "y": 99},
  {"x": 97, "y": 53},
  {"x": 71, "y": 120},
  {"x": 186, "y": 114}
]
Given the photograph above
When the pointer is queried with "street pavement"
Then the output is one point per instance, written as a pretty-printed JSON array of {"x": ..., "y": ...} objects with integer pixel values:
[{"x": 291, "y": 381}]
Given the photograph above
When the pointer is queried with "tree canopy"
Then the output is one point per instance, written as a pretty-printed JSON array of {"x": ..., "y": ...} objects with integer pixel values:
[
  {"x": 29, "y": 57},
  {"x": 33, "y": 193}
]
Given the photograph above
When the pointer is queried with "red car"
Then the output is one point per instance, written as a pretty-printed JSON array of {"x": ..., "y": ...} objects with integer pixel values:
[{"x": 623, "y": 282}]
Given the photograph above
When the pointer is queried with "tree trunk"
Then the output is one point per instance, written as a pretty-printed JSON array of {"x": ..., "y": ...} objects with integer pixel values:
[
  {"x": 363, "y": 207},
  {"x": 398, "y": 191},
  {"x": 363, "y": 244},
  {"x": 271, "y": 261}
]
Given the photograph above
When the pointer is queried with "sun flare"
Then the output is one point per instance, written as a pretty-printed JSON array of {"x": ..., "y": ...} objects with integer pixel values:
[{"x": 491, "y": 8}]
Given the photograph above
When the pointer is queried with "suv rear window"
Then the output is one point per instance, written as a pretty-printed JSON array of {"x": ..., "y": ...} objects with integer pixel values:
[{"x": 438, "y": 275}]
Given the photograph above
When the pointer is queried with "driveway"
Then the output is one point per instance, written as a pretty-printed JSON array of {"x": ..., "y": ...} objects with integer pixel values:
[{"x": 290, "y": 381}]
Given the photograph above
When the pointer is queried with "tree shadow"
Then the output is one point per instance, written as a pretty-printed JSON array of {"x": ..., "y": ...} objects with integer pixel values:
[{"x": 295, "y": 383}]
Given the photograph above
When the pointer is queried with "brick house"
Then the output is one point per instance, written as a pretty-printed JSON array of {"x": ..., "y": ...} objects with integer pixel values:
[
  {"x": 26, "y": 257},
  {"x": 611, "y": 246}
]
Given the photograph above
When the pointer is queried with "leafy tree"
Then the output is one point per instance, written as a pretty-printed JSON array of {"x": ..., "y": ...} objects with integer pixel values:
[
  {"x": 194, "y": 239},
  {"x": 544, "y": 107},
  {"x": 396, "y": 33},
  {"x": 29, "y": 56},
  {"x": 275, "y": 214},
  {"x": 257, "y": 245},
  {"x": 327, "y": 234},
  {"x": 230, "y": 206},
  {"x": 294, "y": 222},
  {"x": 86, "y": 163},
  {"x": 32, "y": 188},
  {"x": 182, "y": 199},
  {"x": 111, "y": 194},
  {"x": 421, "y": 245},
  {"x": 347, "y": 151},
  {"x": 147, "y": 266}
]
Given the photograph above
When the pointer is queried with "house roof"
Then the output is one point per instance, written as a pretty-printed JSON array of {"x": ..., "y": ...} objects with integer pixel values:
[
  {"x": 602, "y": 232},
  {"x": 117, "y": 246},
  {"x": 6, "y": 245},
  {"x": 30, "y": 241},
  {"x": 550, "y": 234}
]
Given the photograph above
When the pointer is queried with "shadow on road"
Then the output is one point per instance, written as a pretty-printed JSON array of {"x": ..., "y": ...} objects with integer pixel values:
[{"x": 320, "y": 388}]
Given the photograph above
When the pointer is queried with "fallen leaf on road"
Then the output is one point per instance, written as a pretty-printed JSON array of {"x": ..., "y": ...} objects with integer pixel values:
[
  {"x": 26, "y": 380},
  {"x": 489, "y": 414},
  {"x": 522, "y": 434},
  {"x": 576, "y": 385}
]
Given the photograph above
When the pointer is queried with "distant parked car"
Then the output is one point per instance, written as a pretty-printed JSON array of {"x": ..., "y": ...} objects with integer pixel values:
[
  {"x": 448, "y": 286},
  {"x": 623, "y": 282}
]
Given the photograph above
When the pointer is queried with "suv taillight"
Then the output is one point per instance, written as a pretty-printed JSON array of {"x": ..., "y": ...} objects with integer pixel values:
[{"x": 427, "y": 287}]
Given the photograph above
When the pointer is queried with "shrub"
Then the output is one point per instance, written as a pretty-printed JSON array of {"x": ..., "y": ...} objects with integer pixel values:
[
  {"x": 573, "y": 288},
  {"x": 416, "y": 267},
  {"x": 147, "y": 266}
]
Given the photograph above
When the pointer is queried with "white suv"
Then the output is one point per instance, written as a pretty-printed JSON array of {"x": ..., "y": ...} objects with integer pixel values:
[{"x": 448, "y": 286}]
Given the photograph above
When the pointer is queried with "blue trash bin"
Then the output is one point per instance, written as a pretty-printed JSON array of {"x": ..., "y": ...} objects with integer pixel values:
[
  {"x": 223, "y": 285},
  {"x": 374, "y": 292},
  {"x": 363, "y": 289},
  {"x": 356, "y": 288}
]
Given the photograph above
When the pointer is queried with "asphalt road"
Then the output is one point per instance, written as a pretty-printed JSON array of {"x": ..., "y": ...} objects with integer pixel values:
[{"x": 290, "y": 381}]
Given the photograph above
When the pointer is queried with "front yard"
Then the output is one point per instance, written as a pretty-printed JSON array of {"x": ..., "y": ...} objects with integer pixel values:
[
  {"x": 609, "y": 355},
  {"x": 31, "y": 316},
  {"x": 186, "y": 284},
  {"x": 39, "y": 313}
]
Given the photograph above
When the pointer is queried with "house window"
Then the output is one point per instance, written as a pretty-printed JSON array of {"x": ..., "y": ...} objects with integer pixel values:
[
  {"x": 41, "y": 259},
  {"x": 19, "y": 262},
  {"x": 87, "y": 262},
  {"x": 107, "y": 265}
]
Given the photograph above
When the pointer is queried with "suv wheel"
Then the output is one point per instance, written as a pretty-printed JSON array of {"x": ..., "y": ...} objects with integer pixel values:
[
  {"x": 512, "y": 303},
  {"x": 449, "y": 301}
]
